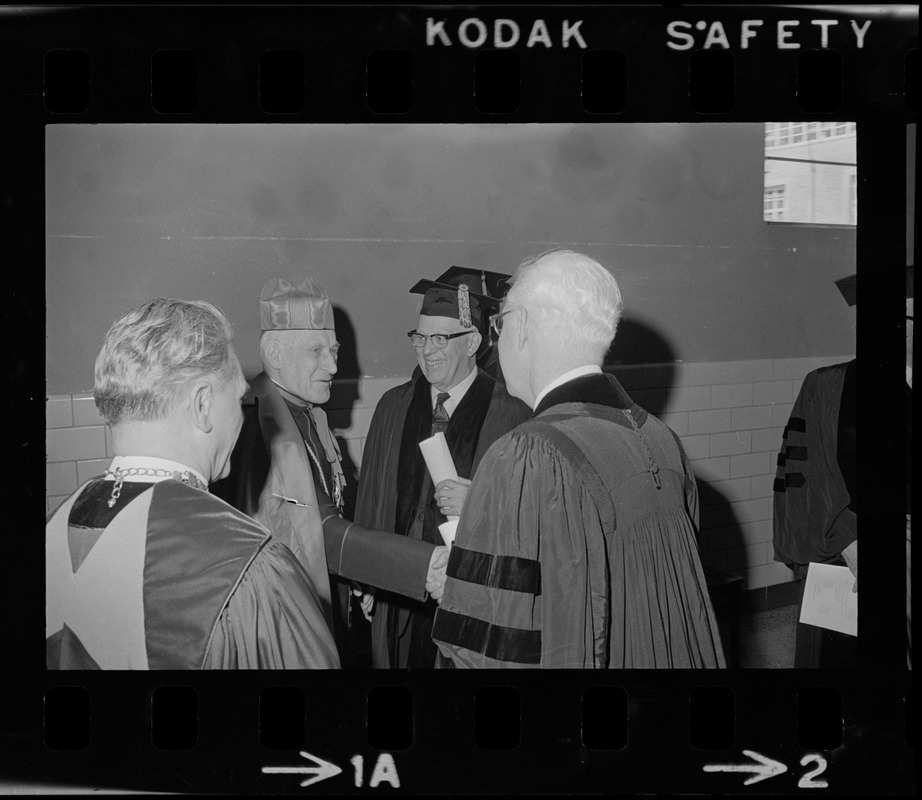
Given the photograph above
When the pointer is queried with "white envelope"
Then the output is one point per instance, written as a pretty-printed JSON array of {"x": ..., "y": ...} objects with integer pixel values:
[{"x": 829, "y": 601}]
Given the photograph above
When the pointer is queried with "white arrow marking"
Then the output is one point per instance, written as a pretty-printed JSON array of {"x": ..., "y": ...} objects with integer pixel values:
[
  {"x": 768, "y": 767},
  {"x": 321, "y": 772}
]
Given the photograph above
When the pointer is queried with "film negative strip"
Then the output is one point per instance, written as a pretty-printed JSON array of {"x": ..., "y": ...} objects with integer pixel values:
[{"x": 87, "y": 93}]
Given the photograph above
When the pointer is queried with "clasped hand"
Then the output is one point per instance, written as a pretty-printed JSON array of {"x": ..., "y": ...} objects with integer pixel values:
[
  {"x": 435, "y": 580},
  {"x": 450, "y": 496}
]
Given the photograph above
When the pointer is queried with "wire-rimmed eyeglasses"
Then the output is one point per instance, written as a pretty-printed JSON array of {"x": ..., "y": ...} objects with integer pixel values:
[
  {"x": 496, "y": 321},
  {"x": 439, "y": 340}
]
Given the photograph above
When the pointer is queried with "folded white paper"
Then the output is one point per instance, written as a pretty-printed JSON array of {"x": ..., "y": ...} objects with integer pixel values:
[
  {"x": 439, "y": 462},
  {"x": 829, "y": 601},
  {"x": 448, "y": 530}
]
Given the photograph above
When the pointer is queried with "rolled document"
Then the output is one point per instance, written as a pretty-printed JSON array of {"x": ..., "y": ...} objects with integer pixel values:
[{"x": 442, "y": 468}]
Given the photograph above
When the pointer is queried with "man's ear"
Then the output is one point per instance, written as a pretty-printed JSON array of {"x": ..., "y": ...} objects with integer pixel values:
[
  {"x": 202, "y": 405},
  {"x": 521, "y": 334},
  {"x": 473, "y": 344},
  {"x": 271, "y": 351}
]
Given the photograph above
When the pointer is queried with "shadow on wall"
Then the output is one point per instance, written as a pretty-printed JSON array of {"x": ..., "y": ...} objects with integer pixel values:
[
  {"x": 719, "y": 530},
  {"x": 346, "y": 398}
]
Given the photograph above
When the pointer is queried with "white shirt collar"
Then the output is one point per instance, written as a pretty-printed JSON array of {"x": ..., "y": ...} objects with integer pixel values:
[
  {"x": 456, "y": 393},
  {"x": 560, "y": 380},
  {"x": 150, "y": 462}
]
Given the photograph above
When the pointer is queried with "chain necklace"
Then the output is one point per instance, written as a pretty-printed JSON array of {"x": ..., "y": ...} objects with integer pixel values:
[
  {"x": 337, "y": 493},
  {"x": 183, "y": 476}
]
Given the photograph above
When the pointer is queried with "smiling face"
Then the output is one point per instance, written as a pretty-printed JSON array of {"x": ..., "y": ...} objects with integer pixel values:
[
  {"x": 307, "y": 363},
  {"x": 445, "y": 369}
]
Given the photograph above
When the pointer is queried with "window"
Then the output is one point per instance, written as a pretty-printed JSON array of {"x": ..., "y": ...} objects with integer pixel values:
[
  {"x": 774, "y": 203},
  {"x": 810, "y": 173}
]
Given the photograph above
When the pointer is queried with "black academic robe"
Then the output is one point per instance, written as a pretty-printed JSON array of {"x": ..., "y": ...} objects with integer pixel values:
[
  {"x": 815, "y": 500},
  {"x": 396, "y": 492},
  {"x": 577, "y": 546}
]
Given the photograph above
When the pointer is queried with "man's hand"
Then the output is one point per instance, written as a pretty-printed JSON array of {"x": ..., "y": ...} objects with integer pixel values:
[
  {"x": 435, "y": 579},
  {"x": 368, "y": 599},
  {"x": 850, "y": 554},
  {"x": 450, "y": 495}
]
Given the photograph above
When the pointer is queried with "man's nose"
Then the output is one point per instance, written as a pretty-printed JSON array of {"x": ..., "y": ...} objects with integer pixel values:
[
  {"x": 331, "y": 366},
  {"x": 429, "y": 348}
]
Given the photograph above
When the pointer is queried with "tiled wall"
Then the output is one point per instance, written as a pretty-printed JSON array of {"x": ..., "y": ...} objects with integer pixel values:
[{"x": 730, "y": 416}]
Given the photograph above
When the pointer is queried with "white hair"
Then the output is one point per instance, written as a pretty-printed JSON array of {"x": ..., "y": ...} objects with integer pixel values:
[
  {"x": 573, "y": 292},
  {"x": 152, "y": 350}
]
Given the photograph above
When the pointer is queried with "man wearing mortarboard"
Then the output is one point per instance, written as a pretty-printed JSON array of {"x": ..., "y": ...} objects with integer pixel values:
[
  {"x": 815, "y": 515},
  {"x": 450, "y": 394},
  {"x": 286, "y": 471}
]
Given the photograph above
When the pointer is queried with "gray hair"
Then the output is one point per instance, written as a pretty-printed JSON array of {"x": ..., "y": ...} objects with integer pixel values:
[
  {"x": 569, "y": 290},
  {"x": 152, "y": 350}
]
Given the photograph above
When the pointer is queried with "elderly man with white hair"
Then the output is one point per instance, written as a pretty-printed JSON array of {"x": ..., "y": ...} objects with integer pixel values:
[
  {"x": 576, "y": 547},
  {"x": 144, "y": 568}
]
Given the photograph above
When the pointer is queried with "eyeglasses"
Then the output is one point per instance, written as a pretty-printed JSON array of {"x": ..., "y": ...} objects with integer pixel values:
[
  {"x": 439, "y": 340},
  {"x": 496, "y": 321}
]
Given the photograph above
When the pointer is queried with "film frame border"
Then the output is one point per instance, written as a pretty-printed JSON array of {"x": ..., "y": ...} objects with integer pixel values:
[{"x": 872, "y": 695}]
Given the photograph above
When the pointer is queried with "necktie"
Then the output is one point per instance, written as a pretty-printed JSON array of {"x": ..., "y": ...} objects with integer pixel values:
[{"x": 439, "y": 414}]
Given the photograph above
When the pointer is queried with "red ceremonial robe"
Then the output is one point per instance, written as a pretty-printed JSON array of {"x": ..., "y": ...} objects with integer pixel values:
[
  {"x": 396, "y": 492},
  {"x": 172, "y": 577},
  {"x": 577, "y": 545},
  {"x": 272, "y": 479}
]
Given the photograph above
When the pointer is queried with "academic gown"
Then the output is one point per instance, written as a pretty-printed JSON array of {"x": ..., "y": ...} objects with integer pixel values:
[
  {"x": 397, "y": 494},
  {"x": 577, "y": 545},
  {"x": 172, "y": 577},
  {"x": 272, "y": 479},
  {"x": 815, "y": 499}
]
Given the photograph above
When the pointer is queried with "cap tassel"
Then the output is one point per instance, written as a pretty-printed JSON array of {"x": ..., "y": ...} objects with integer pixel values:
[{"x": 464, "y": 306}]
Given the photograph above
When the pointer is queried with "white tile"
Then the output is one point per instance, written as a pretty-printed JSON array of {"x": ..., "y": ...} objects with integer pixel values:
[
  {"x": 767, "y": 439},
  {"x": 731, "y": 395},
  {"x": 765, "y": 394},
  {"x": 678, "y": 423},
  {"x": 730, "y": 444},
  {"x": 91, "y": 469},
  {"x": 85, "y": 412},
  {"x": 60, "y": 478},
  {"x": 751, "y": 371},
  {"x": 750, "y": 464},
  {"x": 751, "y": 418},
  {"x": 663, "y": 375},
  {"x": 710, "y": 373},
  {"x": 75, "y": 444},
  {"x": 752, "y": 510},
  {"x": 712, "y": 469},
  {"x": 732, "y": 491},
  {"x": 696, "y": 447},
  {"x": 689, "y": 398},
  {"x": 716, "y": 421},
  {"x": 763, "y": 485},
  {"x": 58, "y": 411}
]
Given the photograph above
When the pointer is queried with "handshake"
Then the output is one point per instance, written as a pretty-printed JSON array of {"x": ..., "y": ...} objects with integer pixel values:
[{"x": 435, "y": 582}]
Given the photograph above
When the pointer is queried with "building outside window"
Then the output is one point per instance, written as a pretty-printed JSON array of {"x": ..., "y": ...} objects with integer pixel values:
[
  {"x": 810, "y": 173},
  {"x": 774, "y": 203}
]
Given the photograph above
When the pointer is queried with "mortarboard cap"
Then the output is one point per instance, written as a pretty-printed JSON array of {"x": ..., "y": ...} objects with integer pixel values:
[
  {"x": 443, "y": 298},
  {"x": 285, "y": 307},
  {"x": 848, "y": 288}
]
